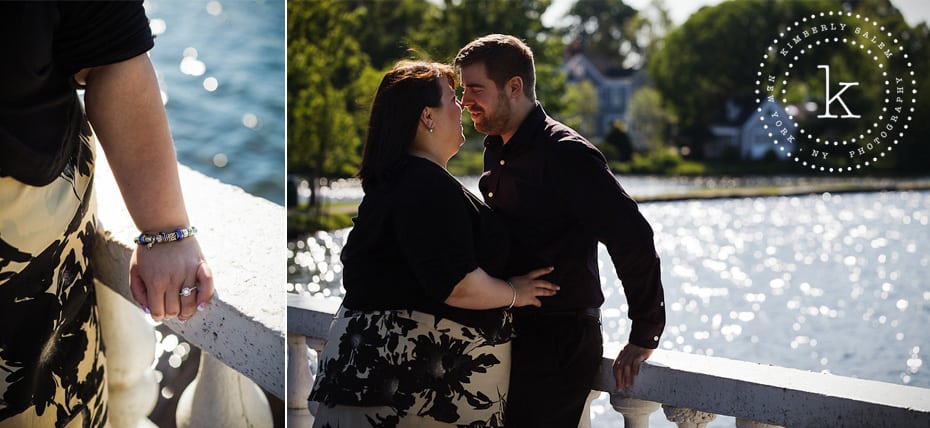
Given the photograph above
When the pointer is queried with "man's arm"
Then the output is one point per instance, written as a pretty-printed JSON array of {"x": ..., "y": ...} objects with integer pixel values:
[
  {"x": 613, "y": 218},
  {"x": 124, "y": 107}
]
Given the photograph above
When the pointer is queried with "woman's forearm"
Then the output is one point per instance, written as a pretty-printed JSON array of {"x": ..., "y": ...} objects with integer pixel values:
[
  {"x": 124, "y": 107},
  {"x": 478, "y": 290}
]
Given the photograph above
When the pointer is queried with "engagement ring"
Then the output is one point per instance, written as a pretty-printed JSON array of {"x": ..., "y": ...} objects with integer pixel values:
[{"x": 186, "y": 291}]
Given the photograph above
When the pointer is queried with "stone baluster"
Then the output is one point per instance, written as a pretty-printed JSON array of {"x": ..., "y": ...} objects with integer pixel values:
[
  {"x": 130, "y": 352},
  {"x": 221, "y": 397},
  {"x": 299, "y": 382},
  {"x": 635, "y": 411},
  {"x": 749, "y": 423},
  {"x": 687, "y": 418},
  {"x": 585, "y": 421}
]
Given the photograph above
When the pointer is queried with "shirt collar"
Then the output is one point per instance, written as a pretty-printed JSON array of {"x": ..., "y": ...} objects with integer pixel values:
[{"x": 524, "y": 133}]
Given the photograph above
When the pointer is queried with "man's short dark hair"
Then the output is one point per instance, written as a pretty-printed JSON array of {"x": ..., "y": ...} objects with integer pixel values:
[{"x": 504, "y": 57}]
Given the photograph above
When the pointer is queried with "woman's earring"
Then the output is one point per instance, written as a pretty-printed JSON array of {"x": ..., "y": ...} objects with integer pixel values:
[{"x": 431, "y": 130}]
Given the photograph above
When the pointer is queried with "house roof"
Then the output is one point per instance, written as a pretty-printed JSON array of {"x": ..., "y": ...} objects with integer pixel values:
[
  {"x": 580, "y": 66},
  {"x": 735, "y": 111}
]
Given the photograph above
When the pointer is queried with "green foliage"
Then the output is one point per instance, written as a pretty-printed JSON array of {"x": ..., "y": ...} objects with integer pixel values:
[
  {"x": 617, "y": 144},
  {"x": 469, "y": 160},
  {"x": 603, "y": 28},
  {"x": 714, "y": 56},
  {"x": 658, "y": 162},
  {"x": 302, "y": 222},
  {"x": 453, "y": 24},
  {"x": 651, "y": 118},
  {"x": 324, "y": 63},
  {"x": 580, "y": 107},
  {"x": 390, "y": 28},
  {"x": 339, "y": 50}
]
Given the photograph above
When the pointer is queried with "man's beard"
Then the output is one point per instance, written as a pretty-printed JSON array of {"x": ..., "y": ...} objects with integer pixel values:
[{"x": 495, "y": 124}]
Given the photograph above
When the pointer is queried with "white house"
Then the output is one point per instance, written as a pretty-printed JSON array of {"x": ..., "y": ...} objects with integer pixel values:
[
  {"x": 752, "y": 130},
  {"x": 614, "y": 88}
]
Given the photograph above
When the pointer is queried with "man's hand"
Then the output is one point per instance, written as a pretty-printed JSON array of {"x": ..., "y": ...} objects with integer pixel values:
[{"x": 626, "y": 366}]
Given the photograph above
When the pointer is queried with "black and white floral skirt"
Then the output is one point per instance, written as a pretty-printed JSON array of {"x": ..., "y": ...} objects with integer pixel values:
[
  {"x": 404, "y": 368},
  {"x": 51, "y": 354}
]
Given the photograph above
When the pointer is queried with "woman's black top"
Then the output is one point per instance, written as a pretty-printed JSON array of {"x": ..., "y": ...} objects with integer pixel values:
[
  {"x": 416, "y": 236},
  {"x": 44, "y": 44}
]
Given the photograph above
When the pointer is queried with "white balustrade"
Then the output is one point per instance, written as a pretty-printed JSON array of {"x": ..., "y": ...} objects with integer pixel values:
[
  {"x": 243, "y": 327},
  {"x": 757, "y": 395},
  {"x": 299, "y": 381},
  {"x": 221, "y": 397},
  {"x": 635, "y": 411},
  {"x": 687, "y": 418},
  {"x": 130, "y": 342},
  {"x": 585, "y": 421}
]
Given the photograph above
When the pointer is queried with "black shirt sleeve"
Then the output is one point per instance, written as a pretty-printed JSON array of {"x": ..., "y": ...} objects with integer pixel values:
[
  {"x": 95, "y": 33},
  {"x": 42, "y": 123},
  {"x": 435, "y": 232},
  {"x": 608, "y": 213}
]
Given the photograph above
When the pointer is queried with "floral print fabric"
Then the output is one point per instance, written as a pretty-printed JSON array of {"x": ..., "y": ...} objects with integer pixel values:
[
  {"x": 403, "y": 368},
  {"x": 51, "y": 354}
]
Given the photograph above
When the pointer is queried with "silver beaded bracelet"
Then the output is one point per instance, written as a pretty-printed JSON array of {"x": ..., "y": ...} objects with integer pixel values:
[{"x": 176, "y": 235}]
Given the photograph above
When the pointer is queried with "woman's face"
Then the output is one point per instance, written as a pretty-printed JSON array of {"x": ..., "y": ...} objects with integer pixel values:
[{"x": 447, "y": 122}]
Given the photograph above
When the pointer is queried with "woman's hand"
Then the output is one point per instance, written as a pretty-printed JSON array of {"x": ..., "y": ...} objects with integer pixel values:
[
  {"x": 124, "y": 106},
  {"x": 529, "y": 288},
  {"x": 157, "y": 275}
]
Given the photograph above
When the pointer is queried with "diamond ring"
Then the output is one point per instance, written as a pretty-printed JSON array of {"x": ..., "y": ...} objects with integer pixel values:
[{"x": 187, "y": 291}]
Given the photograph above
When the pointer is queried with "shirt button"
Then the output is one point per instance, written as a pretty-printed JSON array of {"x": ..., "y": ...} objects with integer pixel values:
[
  {"x": 490, "y": 194},
  {"x": 503, "y": 162}
]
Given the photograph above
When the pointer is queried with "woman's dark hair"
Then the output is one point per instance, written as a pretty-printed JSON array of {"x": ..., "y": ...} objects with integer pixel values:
[{"x": 395, "y": 112}]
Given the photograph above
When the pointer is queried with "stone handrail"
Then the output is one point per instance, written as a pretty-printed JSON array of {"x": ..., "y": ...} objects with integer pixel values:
[
  {"x": 757, "y": 395},
  {"x": 242, "y": 238}
]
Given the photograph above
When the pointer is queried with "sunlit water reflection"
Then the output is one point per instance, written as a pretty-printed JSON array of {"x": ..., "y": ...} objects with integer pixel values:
[
  {"x": 340, "y": 190},
  {"x": 834, "y": 283}
]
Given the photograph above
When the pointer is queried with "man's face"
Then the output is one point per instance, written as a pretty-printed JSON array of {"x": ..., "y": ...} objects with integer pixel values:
[{"x": 486, "y": 103}]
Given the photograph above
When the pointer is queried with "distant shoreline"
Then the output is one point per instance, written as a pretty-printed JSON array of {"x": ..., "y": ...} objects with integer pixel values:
[
  {"x": 791, "y": 190},
  {"x": 339, "y": 215}
]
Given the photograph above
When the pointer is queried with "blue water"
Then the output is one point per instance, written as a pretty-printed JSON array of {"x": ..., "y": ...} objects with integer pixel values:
[
  {"x": 234, "y": 132},
  {"x": 835, "y": 283}
]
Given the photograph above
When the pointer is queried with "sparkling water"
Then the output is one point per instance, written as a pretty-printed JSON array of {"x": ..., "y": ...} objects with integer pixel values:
[{"x": 833, "y": 283}]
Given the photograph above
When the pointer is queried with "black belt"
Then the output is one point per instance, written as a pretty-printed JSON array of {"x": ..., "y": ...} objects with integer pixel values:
[{"x": 594, "y": 313}]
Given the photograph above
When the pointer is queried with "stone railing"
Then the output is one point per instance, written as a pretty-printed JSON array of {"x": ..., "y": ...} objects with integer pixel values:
[
  {"x": 241, "y": 331},
  {"x": 692, "y": 389}
]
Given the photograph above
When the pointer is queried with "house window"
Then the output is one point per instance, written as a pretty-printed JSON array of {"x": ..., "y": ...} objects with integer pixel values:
[{"x": 616, "y": 97}]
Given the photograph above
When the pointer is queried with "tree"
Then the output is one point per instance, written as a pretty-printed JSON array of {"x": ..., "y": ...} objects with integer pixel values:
[
  {"x": 339, "y": 50},
  {"x": 602, "y": 28},
  {"x": 619, "y": 146},
  {"x": 713, "y": 57},
  {"x": 324, "y": 64},
  {"x": 455, "y": 23},
  {"x": 448, "y": 26},
  {"x": 649, "y": 118},
  {"x": 580, "y": 112},
  {"x": 389, "y": 27}
]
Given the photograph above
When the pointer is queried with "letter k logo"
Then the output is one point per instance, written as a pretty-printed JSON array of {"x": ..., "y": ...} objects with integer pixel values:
[{"x": 836, "y": 97}]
